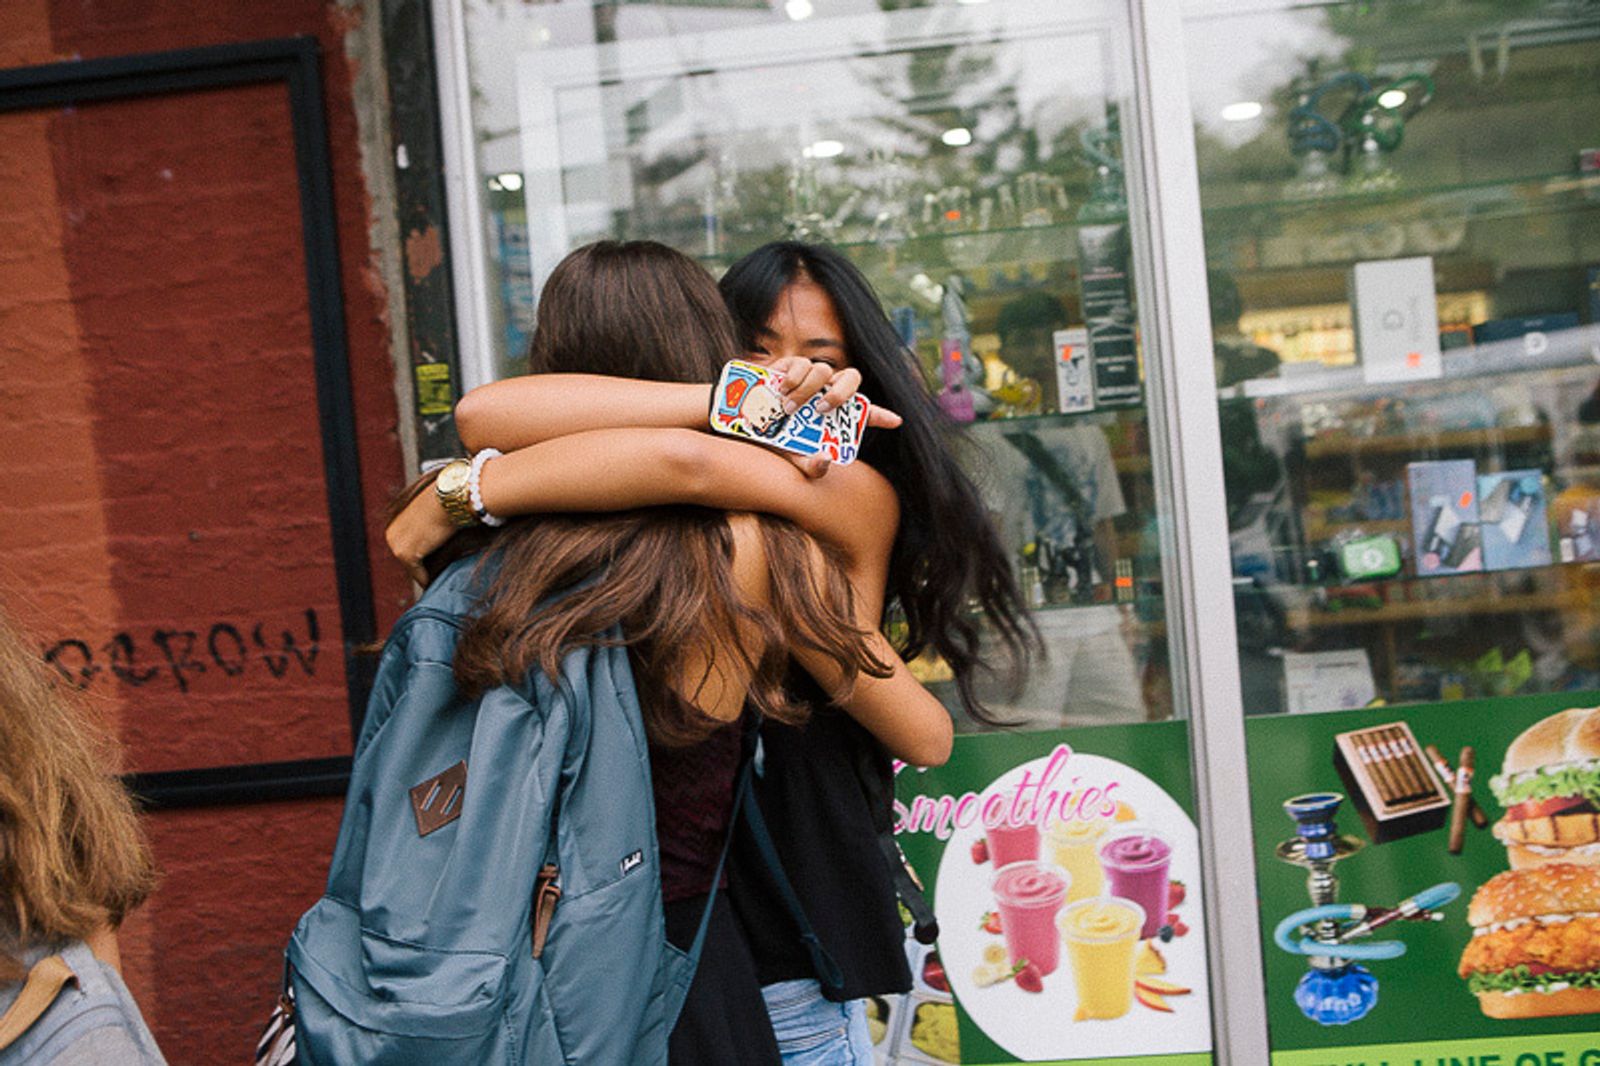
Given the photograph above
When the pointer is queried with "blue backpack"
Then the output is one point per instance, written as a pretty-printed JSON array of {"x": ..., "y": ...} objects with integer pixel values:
[{"x": 494, "y": 897}]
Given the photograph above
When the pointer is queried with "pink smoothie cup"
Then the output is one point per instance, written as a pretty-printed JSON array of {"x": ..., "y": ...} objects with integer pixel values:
[
  {"x": 1012, "y": 843},
  {"x": 1137, "y": 868},
  {"x": 1028, "y": 894}
]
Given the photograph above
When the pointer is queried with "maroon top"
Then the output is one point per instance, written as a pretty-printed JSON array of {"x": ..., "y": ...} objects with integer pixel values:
[{"x": 693, "y": 789}]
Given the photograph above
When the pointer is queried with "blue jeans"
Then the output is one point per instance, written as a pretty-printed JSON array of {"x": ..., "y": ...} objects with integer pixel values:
[{"x": 814, "y": 1031}]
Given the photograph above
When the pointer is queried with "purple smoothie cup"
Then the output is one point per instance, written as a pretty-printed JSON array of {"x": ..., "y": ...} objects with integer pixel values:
[{"x": 1136, "y": 868}]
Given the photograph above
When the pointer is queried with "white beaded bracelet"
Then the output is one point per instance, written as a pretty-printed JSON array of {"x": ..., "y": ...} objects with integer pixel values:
[{"x": 475, "y": 494}]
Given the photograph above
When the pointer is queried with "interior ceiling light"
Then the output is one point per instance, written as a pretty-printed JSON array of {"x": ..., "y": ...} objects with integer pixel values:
[
  {"x": 799, "y": 9},
  {"x": 510, "y": 181},
  {"x": 1391, "y": 99},
  {"x": 1243, "y": 111},
  {"x": 958, "y": 137}
]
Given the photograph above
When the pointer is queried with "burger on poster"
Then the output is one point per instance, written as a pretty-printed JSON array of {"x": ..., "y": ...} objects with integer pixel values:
[
  {"x": 1549, "y": 786},
  {"x": 1535, "y": 948}
]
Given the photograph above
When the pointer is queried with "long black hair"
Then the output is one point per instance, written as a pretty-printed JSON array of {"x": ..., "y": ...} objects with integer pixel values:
[{"x": 947, "y": 555}]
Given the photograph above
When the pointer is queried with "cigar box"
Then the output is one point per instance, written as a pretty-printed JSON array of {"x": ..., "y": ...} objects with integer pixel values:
[{"x": 1388, "y": 777}]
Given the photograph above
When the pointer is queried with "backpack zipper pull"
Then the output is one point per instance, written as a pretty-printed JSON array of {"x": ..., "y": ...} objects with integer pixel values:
[{"x": 546, "y": 893}]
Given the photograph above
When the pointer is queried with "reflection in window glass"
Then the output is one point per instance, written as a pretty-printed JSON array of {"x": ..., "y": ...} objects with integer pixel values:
[
  {"x": 1402, "y": 219},
  {"x": 967, "y": 158}
]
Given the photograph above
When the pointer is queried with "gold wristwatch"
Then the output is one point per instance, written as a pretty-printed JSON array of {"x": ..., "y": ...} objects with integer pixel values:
[{"x": 453, "y": 492}]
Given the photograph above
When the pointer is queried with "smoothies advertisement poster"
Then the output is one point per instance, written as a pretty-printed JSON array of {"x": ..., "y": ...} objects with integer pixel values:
[
  {"x": 1064, "y": 869},
  {"x": 1415, "y": 913}
]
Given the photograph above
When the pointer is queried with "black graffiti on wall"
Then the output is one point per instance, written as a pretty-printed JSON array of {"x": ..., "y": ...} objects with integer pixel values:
[{"x": 178, "y": 656}]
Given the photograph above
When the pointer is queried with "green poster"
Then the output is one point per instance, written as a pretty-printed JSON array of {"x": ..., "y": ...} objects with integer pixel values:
[
  {"x": 1443, "y": 995},
  {"x": 1064, "y": 869}
]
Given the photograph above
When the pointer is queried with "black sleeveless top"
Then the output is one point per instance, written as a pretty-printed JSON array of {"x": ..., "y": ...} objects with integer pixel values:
[{"x": 817, "y": 794}]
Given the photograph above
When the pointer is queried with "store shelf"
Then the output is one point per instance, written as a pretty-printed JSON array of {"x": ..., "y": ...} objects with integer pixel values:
[
  {"x": 1327, "y": 281},
  {"x": 1135, "y": 413},
  {"x": 1539, "y": 194},
  {"x": 1481, "y": 606},
  {"x": 1425, "y": 443},
  {"x": 1318, "y": 530},
  {"x": 1052, "y": 608},
  {"x": 1565, "y": 349},
  {"x": 997, "y": 248}
]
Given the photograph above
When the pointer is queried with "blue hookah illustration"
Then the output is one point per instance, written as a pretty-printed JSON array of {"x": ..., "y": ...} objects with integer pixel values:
[{"x": 1337, "y": 988}]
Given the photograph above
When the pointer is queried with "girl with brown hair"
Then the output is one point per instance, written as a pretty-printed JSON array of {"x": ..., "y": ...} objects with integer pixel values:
[
  {"x": 713, "y": 606},
  {"x": 73, "y": 864}
]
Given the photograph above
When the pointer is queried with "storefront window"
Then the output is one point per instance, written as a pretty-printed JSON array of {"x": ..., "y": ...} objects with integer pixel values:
[
  {"x": 1402, "y": 214},
  {"x": 1401, "y": 205},
  {"x": 973, "y": 176},
  {"x": 968, "y": 156}
]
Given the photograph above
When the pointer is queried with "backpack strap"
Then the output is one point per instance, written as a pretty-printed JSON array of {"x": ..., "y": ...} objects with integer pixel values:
[
  {"x": 827, "y": 971},
  {"x": 742, "y": 797},
  {"x": 924, "y": 926},
  {"x": 744, "y": 800},
  {"x": 45, "y": 981}
]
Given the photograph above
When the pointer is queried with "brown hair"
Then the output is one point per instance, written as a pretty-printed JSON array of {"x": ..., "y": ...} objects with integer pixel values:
[
  {"x": 661, "y": 577},
  {"x": 73, "y": 857}
]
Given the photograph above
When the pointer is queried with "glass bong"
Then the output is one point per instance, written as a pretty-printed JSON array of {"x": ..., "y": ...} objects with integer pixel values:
[
  {"x": 1314, "y": 138},
  {"x": 1108, "y": 198},
  {"x": 1374, "y": 125}
]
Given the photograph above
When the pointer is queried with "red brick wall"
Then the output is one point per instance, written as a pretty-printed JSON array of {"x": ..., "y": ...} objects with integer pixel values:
[{"x": 165, "y": 504}]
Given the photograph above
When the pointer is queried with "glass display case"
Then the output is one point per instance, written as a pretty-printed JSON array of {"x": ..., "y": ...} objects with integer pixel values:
[
  {"x": 978, "y": 183},
  {"x": 1401, "y": 214},
  {"x": 1402, "y": 222}
]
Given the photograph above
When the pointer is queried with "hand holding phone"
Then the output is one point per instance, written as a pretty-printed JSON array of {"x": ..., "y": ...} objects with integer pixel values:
[{"x": 747, "y": 403}]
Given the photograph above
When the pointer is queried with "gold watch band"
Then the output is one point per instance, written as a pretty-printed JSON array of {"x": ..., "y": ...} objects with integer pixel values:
[{"x": 454, "y": 494}]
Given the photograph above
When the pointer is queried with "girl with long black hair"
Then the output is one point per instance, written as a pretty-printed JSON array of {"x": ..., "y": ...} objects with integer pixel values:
[{"x": 826, "y": 790}]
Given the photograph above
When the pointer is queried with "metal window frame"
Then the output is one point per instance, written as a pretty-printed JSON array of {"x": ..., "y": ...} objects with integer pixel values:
[
  {"x": 295, "y": 62},
  {"x": 421, "y": 191},
  {"x": 464, "y": 199},
  {"x": 1187, "y": 448}
]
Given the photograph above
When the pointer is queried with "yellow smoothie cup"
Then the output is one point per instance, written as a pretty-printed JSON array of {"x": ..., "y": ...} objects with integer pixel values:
[
  {"x": 1075, "y": 847},
  {"x": 1101, "y": 934}
]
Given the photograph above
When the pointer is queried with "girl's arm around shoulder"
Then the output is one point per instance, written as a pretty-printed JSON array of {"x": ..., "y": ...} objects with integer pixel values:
[
  {"x": 853, "y": 507},
  {"x": 850, "y": 507},
  {"x": 516, "y": 412}
]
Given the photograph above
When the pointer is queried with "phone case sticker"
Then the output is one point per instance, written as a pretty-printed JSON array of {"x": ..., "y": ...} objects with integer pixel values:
[{"x": 748, "y": 405}]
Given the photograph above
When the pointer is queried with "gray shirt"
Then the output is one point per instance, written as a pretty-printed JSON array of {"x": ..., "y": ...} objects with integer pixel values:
[{"x": 93, "y": 1021}]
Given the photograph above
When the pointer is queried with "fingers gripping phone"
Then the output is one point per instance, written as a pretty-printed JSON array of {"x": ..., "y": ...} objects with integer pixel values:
[{"x": 746, "y": 403}]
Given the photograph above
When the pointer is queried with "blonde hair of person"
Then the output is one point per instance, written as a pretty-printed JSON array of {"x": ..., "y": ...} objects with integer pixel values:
[{"x": 73, "y": 857}]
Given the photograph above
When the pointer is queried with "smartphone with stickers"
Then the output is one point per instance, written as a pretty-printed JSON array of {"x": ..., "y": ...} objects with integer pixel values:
[{"x": 747, "y": 404}]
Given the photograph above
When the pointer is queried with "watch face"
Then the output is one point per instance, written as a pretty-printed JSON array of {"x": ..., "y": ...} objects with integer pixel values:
[{"x": 452, "y": 477}]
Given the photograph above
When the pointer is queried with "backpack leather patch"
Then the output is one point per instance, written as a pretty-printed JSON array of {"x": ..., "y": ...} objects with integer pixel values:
[{"x": 437, "y": 801}]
